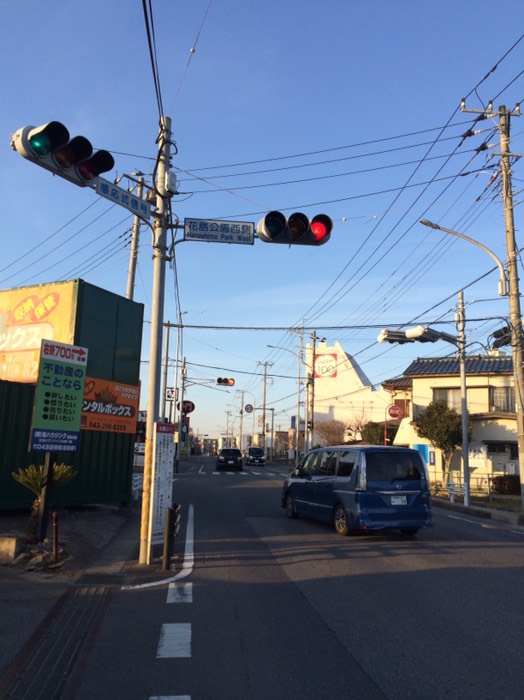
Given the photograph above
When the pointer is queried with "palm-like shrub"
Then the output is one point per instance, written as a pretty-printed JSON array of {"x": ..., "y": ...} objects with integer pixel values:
[{"x": 33, "y": 478}]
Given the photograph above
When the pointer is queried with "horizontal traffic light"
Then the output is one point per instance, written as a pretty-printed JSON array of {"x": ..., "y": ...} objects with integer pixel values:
[
  {"x": 224, "y": 381},
  {"x": 51, "y": 147},
  {"x": 296, "y": 229}
]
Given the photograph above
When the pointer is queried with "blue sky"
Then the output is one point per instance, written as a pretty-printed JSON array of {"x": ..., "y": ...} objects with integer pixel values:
[{"x": 341, "y": 107}]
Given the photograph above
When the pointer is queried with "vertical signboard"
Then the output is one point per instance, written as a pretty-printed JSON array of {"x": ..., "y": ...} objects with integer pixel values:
[
  {"x": 161, "y": 481},
  {"x": 59, "y": 396}
]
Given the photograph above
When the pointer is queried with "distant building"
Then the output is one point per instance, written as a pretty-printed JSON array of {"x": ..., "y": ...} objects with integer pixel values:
[{"x": 342, "y": 391}]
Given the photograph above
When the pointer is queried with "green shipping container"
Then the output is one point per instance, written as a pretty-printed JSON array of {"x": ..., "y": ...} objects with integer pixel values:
[{"x": 110, "y": 327}]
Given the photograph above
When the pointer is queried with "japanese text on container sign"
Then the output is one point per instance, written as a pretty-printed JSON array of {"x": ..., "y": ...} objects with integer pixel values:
[
  {"x": 107, "y": 409},
  {"x": 60, "y": 377},
  {"x": 54, "y": 441},
  {"x": 61, "y": 407}
]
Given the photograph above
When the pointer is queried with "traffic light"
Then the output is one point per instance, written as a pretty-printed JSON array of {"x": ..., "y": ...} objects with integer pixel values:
[
  {"x": 502, "y": 337},
  {"x": 51, "y": 147},
  {"x": 387, "y": 336},
  {"x": 422, "y": 334},
  {"x": 298, "y": 229},
  {"x": 223, "y": 381}
]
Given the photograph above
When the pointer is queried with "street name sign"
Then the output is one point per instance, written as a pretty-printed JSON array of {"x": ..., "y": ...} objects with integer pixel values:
[
  {"x": 214, "y": 231},
  {"x": 124, "y": 198}
]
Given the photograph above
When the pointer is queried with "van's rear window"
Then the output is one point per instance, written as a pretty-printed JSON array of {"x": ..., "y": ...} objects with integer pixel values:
[{"x": 387, "y": 466}]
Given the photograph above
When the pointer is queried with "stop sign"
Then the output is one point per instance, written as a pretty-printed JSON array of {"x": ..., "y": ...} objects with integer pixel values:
[{"x": 395, "y": 411}]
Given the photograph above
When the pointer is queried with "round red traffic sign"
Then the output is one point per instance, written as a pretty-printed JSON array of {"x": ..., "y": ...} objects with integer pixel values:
[
  {"x": 248, "y": 408},
  {"x": 395, "y": 411}
]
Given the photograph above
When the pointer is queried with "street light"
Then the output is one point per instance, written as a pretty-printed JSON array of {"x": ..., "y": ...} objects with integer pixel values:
[
  {"x": 515, "y": 316},
  {"x": 503, "y": 282},
  {"x": 429, "y": 335},
  {"x": 297, "y": 427}
]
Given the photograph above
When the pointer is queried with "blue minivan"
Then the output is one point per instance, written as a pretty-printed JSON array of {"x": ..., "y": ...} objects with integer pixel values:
[{"x": 361, "y": 487}]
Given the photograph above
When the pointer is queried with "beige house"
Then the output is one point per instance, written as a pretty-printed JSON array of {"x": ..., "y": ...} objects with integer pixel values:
[{"x": 491, "y": 406}]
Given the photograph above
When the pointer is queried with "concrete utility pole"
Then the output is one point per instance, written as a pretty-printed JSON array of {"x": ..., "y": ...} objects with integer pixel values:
[
  {"x": 265, "y": 364},
  {"x": 312, "y": 388},
  {"x": 240, "y": 433},
  {"x": 181, "y": 413},
  {"x": 515, "y": 317},
  {"x": 461, "y": 345},
  {"x": 162, "y": 222},
  {"x": 133, "y": 254}
]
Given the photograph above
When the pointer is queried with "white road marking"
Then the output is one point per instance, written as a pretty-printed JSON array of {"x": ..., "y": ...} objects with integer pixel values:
[
  {"x": 180, "y": 593},
  {"x": 175, "y": 641},
  {"x": 189, "y": 558}
]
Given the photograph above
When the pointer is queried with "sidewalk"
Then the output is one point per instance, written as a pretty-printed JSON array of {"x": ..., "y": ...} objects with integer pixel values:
[{"x": 99, "y": 539}]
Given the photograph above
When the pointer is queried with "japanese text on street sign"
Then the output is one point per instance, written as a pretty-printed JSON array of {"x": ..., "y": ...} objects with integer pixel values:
[
  {"x": 162, "y": 479},
  {"x": 58, "y": 399},
  {"x": 126, "y": 199},
  {"x": 212, "y": 231}
]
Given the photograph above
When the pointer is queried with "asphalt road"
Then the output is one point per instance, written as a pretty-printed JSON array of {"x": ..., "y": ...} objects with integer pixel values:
[{"x": 271, "y": 608}]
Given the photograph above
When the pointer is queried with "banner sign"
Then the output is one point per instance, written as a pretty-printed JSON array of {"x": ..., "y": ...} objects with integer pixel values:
[
  {"x": 58, "y": 399},
  {"x": 110, "y": 406}
]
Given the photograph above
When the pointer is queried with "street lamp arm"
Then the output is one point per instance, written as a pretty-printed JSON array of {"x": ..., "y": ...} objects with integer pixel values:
[{"x": 503, "y": 285}]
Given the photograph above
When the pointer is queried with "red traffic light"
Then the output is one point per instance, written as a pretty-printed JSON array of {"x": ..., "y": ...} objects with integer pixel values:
[
  {"x": 224, "y": 381},
  {"x": 51, "y": 147},
  {"x": 295, "y": 230}
]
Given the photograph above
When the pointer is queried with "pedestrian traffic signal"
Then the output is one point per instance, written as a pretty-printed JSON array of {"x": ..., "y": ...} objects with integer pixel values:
[
  {"x": 297, "y": 229},
  {"x": 51, "y": 147},
  {"x": 224, "y": 381}
]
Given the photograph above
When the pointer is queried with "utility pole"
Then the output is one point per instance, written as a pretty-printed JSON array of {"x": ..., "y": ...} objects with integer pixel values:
[
  {"x": 241, "y": 420},
  {"x": 312, "y": 388},
  {"x": 461, "y": 344},
  {"x": 265, "y": 365},
  {"x": 133, "y": 254},
  {"x": 515, "y": 317},
  {"x": 166, "y": 364},
  {"x": 162, "y": 222},
  {"x": 181, "y": 413}
]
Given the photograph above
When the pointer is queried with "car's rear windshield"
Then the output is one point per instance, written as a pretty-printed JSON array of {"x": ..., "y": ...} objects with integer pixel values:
[
  {"x": 230, "y": 453},
  {"x": 388, "y": 466},
  {"x": 257, "y": 451}
]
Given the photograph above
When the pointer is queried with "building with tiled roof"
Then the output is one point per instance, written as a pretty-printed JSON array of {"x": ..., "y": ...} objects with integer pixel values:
[{"x": 490, "y": 397}]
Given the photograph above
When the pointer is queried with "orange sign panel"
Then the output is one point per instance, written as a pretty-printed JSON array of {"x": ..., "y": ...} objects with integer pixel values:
[
  {"x": 29, "y": 315},
  {"x": 110, "y": 406}
]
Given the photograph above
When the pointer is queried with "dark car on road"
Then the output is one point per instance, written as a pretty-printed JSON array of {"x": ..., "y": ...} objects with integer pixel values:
[
  {"x": 255, "y": 455},
  {"x": 229, "y": 458}
]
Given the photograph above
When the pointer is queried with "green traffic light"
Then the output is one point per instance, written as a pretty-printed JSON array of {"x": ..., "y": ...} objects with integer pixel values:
[{"x": 40, "y": 144}]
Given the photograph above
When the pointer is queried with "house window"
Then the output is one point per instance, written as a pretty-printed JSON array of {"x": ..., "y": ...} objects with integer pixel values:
[
  {"x": 451, "y": 397},
  {"x": 502, "y": 398}
]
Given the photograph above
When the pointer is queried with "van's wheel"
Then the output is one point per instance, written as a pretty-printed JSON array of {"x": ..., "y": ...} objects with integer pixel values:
[
  {"x": 409, "y": 531},
  {"x": 290, "y": 506},
  {"x": 340, "y": 520}
]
